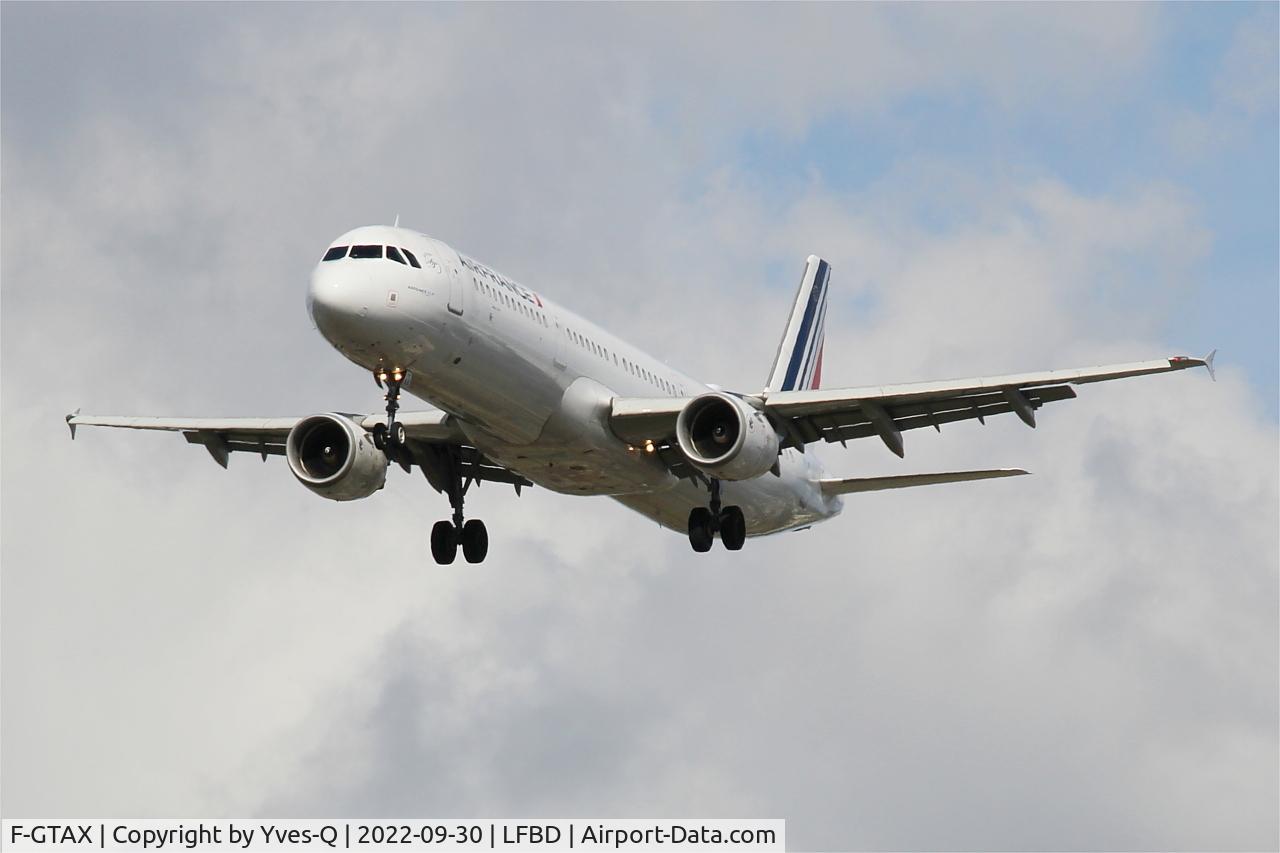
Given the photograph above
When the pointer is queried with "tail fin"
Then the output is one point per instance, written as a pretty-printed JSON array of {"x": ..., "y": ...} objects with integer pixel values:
[{"x": 798, "y": 364}]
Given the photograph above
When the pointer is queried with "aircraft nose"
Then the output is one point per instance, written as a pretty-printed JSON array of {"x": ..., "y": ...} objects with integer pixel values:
[{"x": 336, "y": 299}]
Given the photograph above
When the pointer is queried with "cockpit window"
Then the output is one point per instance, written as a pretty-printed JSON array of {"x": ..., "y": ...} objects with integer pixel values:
[
  {"x": 394, "y": 254},
  {"x": 335, "y": 253},
  {"x": 413, "y": 262},
  {"x": 366, "y": 251}
]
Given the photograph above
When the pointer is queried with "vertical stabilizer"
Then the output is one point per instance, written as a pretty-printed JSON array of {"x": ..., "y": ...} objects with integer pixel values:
[{"x": 798, "y": 364}]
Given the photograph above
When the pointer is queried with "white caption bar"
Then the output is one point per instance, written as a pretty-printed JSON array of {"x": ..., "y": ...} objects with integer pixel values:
[{"x": 553, "y": 836}]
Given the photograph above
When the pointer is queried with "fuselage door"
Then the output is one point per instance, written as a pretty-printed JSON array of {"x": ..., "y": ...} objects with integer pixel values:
[{"x": 456, "y": 288}]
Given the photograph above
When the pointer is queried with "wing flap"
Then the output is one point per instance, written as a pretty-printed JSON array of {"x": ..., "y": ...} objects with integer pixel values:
[{"x": 855, "y": 423}]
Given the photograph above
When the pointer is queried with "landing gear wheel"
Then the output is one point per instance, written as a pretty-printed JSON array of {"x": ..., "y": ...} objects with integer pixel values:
[
  {"x": 397, "y": 435},
  {"x": 444, "y": 542},
  {"x": 475, "y": 541},
  {"x": 733, "y": 528},
  {"x": 701, "y": 532}
]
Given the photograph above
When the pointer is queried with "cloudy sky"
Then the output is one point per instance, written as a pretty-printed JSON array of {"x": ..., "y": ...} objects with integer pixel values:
[{"x": 1085, "y": 658}]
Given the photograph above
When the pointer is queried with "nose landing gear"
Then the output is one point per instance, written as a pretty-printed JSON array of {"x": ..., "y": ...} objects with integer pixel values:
[
  {"x": 705, "y": 523},
  {"x": 390, "y": 437}
]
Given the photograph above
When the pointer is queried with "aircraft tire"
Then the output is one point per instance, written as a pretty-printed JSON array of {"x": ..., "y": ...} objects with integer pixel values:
[
  {"x": 700, "y": 533},
  {"x": 475, "y": 541},
  {"x": 444, "y": 542},
  {"x": 733, "y": 528}
]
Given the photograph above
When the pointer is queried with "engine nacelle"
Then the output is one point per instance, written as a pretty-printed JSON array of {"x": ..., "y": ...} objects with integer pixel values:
[
  {"x": 335, "y": 458},
  {"x": 726, "y": 438}
]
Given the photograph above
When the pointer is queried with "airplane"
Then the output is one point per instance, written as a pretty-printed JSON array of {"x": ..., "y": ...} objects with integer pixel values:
[{"x": 526, "y": 392}]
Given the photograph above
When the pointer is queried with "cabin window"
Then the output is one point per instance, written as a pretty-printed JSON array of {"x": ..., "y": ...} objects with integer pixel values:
[
  {"x": 335, "y": 253},
  {"x": 413, "y": 262},
  {"x": 366, "y": 251}
]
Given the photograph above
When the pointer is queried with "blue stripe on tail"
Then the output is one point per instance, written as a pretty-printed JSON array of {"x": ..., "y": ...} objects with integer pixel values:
[{"x": 805, "y": 341}]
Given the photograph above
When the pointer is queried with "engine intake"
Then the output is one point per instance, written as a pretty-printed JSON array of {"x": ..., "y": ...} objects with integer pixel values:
[
  {"x": 335, "y": 458},
  {"x": 725, "y": 438}
]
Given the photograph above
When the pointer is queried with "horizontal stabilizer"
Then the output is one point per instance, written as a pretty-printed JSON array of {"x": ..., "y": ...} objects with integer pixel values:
[{"x": 874, "y": 484}]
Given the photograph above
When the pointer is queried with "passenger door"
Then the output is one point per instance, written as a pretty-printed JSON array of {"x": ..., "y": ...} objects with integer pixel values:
[{"x": 457, "y": 287}]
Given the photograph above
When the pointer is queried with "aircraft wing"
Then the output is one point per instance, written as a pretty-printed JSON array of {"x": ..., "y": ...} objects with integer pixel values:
[
  {"x": 841, "y": 414},
  {"x": 849, "y": 485},
  {"x": 430, "y": 433}
]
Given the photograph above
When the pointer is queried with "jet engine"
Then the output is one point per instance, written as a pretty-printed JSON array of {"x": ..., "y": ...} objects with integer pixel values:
[
  {"x": 335, "y": 458},
  {"x": 726, "y": 438}
]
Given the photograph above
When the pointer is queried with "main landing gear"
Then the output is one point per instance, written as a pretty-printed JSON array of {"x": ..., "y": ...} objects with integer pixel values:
[
  {"x": 705, "y": 523},
  {"x": 446, "y": 536}
]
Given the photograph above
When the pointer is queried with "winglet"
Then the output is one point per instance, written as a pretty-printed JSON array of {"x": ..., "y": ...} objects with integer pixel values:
[
  {"x": 71, "y": 423},
  {"x": 1182, "y": 362}
]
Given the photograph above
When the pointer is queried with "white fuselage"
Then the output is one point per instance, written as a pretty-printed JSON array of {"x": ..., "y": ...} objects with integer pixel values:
[{"x": 529, "y": 381}]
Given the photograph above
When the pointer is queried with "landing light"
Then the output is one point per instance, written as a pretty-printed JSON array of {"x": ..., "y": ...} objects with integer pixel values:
[{"x": 648, "y": 447}]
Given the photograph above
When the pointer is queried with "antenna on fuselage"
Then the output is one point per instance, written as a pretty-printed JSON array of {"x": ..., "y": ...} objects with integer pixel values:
[{"x": 397, "y": 222}]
